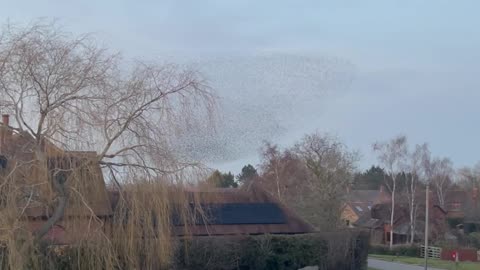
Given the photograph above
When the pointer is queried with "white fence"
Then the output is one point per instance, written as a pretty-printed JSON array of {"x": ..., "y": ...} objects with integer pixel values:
[{"x": 432, "y": 252}]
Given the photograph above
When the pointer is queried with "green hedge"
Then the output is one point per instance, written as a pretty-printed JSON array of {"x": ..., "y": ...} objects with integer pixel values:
[
  {"x": 470, "y": 240},
  {"x": 341, "y": 251},
  {"x": 273, "y": 252},
  {"x": 404, "y": 250},
  {"x": 453, "y": 222}
]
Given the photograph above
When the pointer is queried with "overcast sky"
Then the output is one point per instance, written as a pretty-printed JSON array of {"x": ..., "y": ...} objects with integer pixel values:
[{"x": 362, "y": 70}]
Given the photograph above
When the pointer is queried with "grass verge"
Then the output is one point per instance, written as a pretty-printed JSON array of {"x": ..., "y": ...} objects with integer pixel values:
[{"x": 449, "y": 265}]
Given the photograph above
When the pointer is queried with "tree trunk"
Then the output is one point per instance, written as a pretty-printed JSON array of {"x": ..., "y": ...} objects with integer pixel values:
[
  {"x": 392, "y": 213},
  {"x": 415, "y": 220},
  {"x": 58, "y": 182},
  {"x": 441, "y": 199},
  {"x": 59, "y": 186},
  {"x": 412, "y": 221},
  {"x": 412, "y": 209}
]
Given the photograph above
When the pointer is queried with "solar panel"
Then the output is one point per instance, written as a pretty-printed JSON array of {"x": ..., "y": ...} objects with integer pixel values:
[
  {"x": 247, "y": 213},
  {"x": 240, "y": 213}
]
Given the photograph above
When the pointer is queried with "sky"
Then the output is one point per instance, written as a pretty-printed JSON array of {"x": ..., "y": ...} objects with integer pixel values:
[{"x": 364, "y": 71}]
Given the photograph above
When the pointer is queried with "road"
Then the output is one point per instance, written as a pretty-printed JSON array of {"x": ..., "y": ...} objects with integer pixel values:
[{"x": 384, "y": 265}]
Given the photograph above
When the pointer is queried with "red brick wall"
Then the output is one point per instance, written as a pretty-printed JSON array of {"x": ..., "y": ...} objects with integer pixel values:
[{"x": 464, "y": 254}]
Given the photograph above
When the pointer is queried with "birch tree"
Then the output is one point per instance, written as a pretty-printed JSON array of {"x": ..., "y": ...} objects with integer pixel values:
[
  {"x": 442, "y": 174},
  {"x": 414, "y": 172},
  {"x": 279, "y": 171},
  {"x": 391, "y": 155}
]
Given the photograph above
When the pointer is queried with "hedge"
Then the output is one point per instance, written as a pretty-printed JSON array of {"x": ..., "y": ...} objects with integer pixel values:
[
  {"x": 274, "y": 252},
  {"x": 403, "y": 250},
  {"x": 342, "y": 251}
]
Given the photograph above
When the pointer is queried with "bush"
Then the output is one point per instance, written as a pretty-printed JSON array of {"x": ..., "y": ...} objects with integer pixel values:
[
  {"x": 453, "y": 222},
  {"x": 272, "y": 252},
  {"x": 471, "y": 240},
  {"x": 403, "y": 250},
  {"x": 342, "y": 251}
]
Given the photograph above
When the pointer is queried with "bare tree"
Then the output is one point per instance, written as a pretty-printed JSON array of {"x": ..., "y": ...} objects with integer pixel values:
[
  {"x": 469, "y": 177},
  {"x": 413, "y": 172},
  {"x": 441, "y": 178},
  {"x": 311, "y": 177},
  {"x": 67, "y": 93},
  {"x": 280, "y": 170},
  {"x": 391, "y": 155},
  {"x": 330, "y": 166}
]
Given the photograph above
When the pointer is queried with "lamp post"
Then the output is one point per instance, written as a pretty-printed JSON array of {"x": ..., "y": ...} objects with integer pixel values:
[{"x": 425, "y": 253}]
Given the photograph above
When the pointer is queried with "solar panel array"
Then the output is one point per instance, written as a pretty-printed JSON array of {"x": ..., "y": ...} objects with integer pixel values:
[{"x": 240, "y": 213}]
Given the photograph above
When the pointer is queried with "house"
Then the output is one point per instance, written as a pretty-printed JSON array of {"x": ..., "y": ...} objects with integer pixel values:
[
  {"x": 89, "y": 210},
  {"x": 235, "y": 211},
  {"x": 87, "y": 206},
  {"x": 454, "y": 203},
  {"x": 378, "y": 222},
  {"x": 359, "y": 202},
  {"x": 463, "y": 209}
]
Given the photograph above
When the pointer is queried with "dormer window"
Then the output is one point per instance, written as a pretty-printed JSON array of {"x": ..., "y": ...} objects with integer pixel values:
[{"x": 3, "y": 161}]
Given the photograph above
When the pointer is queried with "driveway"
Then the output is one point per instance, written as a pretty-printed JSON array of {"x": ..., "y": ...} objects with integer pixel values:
[{"x": 384, "y": 265}]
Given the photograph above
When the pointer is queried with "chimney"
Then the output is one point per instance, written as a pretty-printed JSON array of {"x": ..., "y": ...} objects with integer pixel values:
[
  {"x": 5, "y": 131},
  {"x": 6, "y": 119}
]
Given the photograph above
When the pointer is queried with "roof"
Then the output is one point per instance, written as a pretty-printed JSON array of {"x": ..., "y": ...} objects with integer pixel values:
[
  {"x": 404, "y": 229},
  {"x": 363, "y": 195},
  {"x": 367, "y": 196},
  {"x": 462, "y": 204},
  {"x": 362, "y": 201},
  {"x": 359, "y": 208},
  {"x": 88, "y": 194},
  {"x": 366, "y": 221},
  {"x": 86, "y": 185},
  {"x": 239, "y": 211}
]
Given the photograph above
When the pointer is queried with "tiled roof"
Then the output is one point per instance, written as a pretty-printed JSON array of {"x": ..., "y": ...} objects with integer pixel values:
[
  {"x": 17, "y": 147},
  {"x": 366, "y": 221},
  {"x": 240, "y": 211}
]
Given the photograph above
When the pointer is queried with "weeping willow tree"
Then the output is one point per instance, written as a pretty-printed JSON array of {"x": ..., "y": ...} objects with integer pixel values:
[{"x": 68, "y": 96}]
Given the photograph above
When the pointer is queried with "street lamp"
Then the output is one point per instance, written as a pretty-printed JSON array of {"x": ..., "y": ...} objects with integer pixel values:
[{"x": 425, "y": 253}]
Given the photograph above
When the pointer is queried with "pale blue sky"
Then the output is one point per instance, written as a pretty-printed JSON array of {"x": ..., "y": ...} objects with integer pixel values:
[{"x": 408, "y": 67}]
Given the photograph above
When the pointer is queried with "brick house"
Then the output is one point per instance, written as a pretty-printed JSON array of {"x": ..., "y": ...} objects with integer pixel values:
[
  {"x": 84, "y": 181},
  {"x": 360, "y": 202},
  {"x": 463, "y": 209},
  {"x": 90, "y": 206},
  {"x": 248, "y": 210}
]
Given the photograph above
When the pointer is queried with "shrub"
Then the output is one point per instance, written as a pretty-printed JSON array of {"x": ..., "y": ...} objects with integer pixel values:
[
  {"x": 471, "y": 240},
  {"x": 453, "y": 222},
  {"x": 342, "y": 251},
  {"x": 401, "y": 250},
  {"x": 272, "y": 252}
]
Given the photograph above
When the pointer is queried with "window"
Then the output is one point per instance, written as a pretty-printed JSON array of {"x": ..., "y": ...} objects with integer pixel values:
[
  {"x": 455, "y": 205},
  {"x": 3, "y": 162}
]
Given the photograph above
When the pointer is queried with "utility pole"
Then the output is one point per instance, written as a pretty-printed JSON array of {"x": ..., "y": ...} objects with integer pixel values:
[{"x": 426, "y": 225}]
